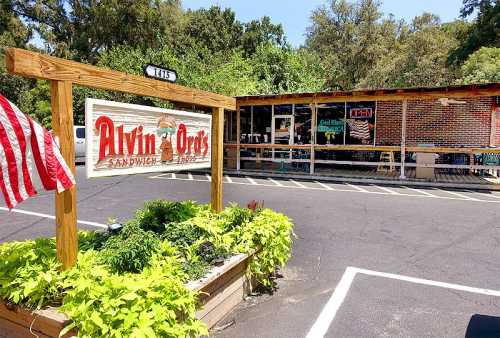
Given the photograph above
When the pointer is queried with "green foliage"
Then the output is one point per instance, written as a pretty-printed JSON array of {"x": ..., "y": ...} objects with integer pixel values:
[
  {"x": 132, "y": 284},
  {"x": 154, "y": 303},
  {"x": 272, "y": 233},
  {"x": 29, "y": 273},
  {"x": 482, "y": 66},
  {"x": 158, "y": 214},
  {"x": 483, "y": 32},
  {"x": 130, "y": 250}
]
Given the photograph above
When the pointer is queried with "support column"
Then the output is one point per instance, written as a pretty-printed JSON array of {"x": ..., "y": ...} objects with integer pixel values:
[
  {"x": 238, "y": 137},
  {"x": 62, "y": 124},
  {"x": 313, "y": 136},
  {"x": 403, "y": 139},
  {"x": 217, "y": 159}
]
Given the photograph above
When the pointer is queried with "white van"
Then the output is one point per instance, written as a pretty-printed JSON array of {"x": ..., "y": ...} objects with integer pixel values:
[{"x": 79, "y": 133}]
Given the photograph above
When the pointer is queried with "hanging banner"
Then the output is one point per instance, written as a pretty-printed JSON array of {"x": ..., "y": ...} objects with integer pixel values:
[{"x": 123, "y": 139}]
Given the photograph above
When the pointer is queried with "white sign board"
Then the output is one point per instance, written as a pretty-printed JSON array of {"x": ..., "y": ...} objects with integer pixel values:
[{"x": 124, "y": 139}]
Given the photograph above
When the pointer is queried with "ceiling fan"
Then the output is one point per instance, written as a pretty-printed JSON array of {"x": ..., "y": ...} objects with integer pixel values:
[{"x": 447, "y": 101}]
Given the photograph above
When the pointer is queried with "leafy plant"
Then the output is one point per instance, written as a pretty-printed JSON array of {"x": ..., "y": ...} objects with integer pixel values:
[
  {"x": 132, "y": 284},
  {"x": 130, "y": 250},
  {"x": 156, "y": 215}
]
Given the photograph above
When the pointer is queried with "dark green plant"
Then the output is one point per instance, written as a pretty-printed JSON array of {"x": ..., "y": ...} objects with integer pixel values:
[
  {"x": 130, "y": 250},
  {"x": 156, "y": 215}
]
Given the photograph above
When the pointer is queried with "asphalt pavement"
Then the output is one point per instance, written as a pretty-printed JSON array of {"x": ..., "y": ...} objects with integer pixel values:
[{"x": 368, "y": 261}]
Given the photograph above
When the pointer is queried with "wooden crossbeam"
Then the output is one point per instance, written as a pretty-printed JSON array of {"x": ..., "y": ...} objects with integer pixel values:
[
  {"x": 442, "y": 150},
  {"x": 40, "y": 66}
]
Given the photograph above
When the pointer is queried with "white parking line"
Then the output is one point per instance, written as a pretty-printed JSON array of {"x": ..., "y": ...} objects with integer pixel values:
[
  {"x": 327, "y": 315},
  {"x": 38, "y": 214},
  {"x": 356, "y": 187},
  {"x": 459, "y": 195},
  {"x": 251, "y": 180},
  {"x": 392, "y": 192},
  {"x": 491, "y": 194},
  {"x": 421, "y": 192},
  {"x": 275, "y": 182},
  {"x": 327, "y": 187},
  {"x": 298, "y": 184},
  {"x": 174, "y": 176}
]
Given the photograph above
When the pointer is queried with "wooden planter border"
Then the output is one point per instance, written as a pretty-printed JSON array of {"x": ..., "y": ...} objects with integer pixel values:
[{"x": 220, "y": 290}]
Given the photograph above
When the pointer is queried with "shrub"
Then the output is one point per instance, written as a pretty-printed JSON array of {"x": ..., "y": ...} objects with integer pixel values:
[
  {"x": 130, "y": 250},
  {"x": 157, "y": 214}
]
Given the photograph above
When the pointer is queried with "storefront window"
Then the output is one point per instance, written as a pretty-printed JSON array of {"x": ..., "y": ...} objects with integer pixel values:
[
  {"x": 360, "y": 123},
  {"x": 283, "y": 109},
  {"x": 330, "y": 123},
  {"x": 261, "y": 130},
  {"x": 245, "y": 124},
  {"x": 302, "y": 124}
]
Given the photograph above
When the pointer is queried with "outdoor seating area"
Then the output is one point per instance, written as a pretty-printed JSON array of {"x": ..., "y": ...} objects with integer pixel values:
[{"x": 415, "y": 134}]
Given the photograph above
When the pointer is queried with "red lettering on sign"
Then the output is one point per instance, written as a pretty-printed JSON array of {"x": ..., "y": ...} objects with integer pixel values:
[
  {"x": 181, "y": 139},
  {"x": 106, "y": 130}
]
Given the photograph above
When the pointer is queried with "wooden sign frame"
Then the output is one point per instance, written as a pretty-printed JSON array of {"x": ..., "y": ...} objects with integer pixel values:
[{"x": 63, "y": 74}]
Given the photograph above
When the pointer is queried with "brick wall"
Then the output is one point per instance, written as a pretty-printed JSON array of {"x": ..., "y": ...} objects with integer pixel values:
[
  {"x": 498, "y": 129},
  {"x": 430, "y": 122}
]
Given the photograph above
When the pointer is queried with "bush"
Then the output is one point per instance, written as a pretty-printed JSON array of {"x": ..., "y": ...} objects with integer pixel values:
[
  {"x": 156, "y": 215},
  {"x": 130, "y": 250}
]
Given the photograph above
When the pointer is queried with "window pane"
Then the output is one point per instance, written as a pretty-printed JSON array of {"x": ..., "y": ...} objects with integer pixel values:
[
  {"x": 262, "y": 116},
  {"x": 360, "y": 128},
  {"x": 283, "y": 109},
  {"x": 245, "y": 126},
  {"x": 331, "y": 124},
  {"x": 302, "y": 124}
]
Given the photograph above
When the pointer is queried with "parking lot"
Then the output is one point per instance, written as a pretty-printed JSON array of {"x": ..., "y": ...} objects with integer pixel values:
[{"x": 368, "y": 260}]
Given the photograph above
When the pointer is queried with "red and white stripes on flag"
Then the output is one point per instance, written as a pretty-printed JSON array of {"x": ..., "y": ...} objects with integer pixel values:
[
  {"x": 359, "y": 129},
  {"x": 23, "y": 143}
]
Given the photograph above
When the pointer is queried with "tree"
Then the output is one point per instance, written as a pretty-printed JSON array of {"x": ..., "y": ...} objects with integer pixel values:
[
  {"x": 81, "y": 29},
  {"x": 484, "y": 32},
  {"x": 418, "y": 57},
  {"x": 482, "y": 66},
  {"x": 348, "y": 37},
  {"x": 13, "y": 33}
]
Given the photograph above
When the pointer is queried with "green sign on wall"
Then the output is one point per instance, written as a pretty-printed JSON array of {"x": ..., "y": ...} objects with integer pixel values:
[{"x": 331, "y": 126}]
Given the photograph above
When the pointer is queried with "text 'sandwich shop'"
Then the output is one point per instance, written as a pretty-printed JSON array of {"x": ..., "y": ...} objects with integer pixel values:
[{"x": 128, "y": 139}]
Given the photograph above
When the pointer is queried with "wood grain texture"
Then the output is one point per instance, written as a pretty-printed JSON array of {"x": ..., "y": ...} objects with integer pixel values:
[
  {"x": 238, "y": 138},
  {"x": 443, "y": 150},
  {"x": 41, "y": 66},
  {"x": 62, "y": 124},
  {"x": 217, "y": 159},
  {"x": 47, "y": 322}
]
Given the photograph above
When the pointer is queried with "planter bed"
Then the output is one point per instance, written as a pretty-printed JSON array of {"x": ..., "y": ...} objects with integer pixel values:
[
  {"x": 174, "y": 270},
  {"x": 221, "y": 290}
]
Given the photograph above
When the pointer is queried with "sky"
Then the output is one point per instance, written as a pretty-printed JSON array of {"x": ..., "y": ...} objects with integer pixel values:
[{"x": 294, "y": 14}]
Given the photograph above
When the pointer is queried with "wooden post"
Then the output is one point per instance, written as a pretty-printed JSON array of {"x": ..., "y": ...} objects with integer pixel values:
[
  {"x": 217, "y": 158},
  {"x": 62, "y": 124},
  {"x": 238, "y": 137},
  {"x": 313, "y": 136},
  {"x": 403, "y": 139}
]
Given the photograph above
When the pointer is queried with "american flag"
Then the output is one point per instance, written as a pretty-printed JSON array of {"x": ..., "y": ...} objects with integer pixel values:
[
  {"x": 359, "y": 129},
  {"x": 23, "y": 142}
]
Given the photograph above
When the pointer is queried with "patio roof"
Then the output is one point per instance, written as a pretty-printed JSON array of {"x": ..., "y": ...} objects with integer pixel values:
[{"x": 398, "y": 94}]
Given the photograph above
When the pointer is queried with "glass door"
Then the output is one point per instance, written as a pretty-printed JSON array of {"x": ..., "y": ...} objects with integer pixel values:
[{"x": 282, "y": 133}]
